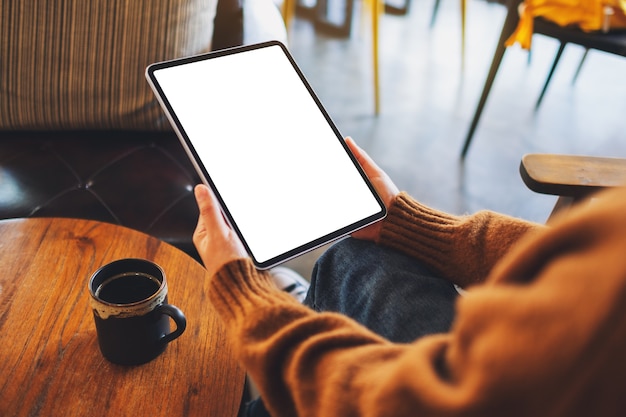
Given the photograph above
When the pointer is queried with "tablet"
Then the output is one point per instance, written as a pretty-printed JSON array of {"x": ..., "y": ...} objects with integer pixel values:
[{"x": 259, "y": 137}]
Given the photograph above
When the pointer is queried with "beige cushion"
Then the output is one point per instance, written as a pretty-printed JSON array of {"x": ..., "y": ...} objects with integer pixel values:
[{"x": 80, "y": 63}]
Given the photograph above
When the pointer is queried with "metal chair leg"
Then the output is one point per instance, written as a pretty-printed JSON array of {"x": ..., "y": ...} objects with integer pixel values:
[
  {"x": 509, "y": 26},
  {"x": 554, "y": 64},
  {"x": 433, "y": 17},
  {"x": 463, "y": 24},
  {"x": 495, "y": 64},
  {"x": 377, "y": 10},
  {"x": 580, "y": 65},
  {"x": 288, "y": 10}
]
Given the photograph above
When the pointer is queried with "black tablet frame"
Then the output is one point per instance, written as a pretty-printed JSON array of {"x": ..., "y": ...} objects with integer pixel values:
[{"x": 204, "y": 174}]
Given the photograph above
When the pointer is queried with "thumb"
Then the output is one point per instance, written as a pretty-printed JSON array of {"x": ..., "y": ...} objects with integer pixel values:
[
  {"x": 201, "y": 193},
  {"x": 210, "y": 213}
]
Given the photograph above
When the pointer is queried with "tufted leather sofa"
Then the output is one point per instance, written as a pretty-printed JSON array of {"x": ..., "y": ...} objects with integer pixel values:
[{"x": 141, "y": 180}]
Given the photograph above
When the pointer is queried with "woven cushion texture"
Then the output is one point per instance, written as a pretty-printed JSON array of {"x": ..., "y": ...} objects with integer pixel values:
[{"x": 79, "y": 64}]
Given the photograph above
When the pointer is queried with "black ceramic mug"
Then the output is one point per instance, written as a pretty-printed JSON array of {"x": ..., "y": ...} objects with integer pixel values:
[{"x": 130, "y": 309}]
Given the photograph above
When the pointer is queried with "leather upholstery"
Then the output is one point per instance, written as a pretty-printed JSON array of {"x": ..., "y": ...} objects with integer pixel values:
[{"x": 142, "y": 180}]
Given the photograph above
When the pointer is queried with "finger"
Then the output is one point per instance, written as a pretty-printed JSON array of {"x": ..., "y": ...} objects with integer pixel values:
[
  {"x": 201, "y": 230},
  {"x": 212, "y": 218},
  {"x": 210, "y": 213},
  {"x": 366, "y": 162},
  {"x": 383, "y": 184},
  {"x": 209, "y": 219}
]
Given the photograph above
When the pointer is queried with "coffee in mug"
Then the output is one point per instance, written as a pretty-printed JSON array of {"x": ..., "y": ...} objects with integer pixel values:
[
  {"x": 131, "y": 312},
  {"x": 127, "y": 287}
]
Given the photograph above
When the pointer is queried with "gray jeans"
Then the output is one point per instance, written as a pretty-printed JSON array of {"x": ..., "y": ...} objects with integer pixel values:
[{"x": 390, "y": 293}]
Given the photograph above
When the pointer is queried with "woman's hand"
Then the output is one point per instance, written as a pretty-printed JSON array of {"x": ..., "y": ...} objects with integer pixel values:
[
  {"x": 215, "y": 241},
  {"x": 386, "y": 189},
  {"x": 218, "y": 244}
]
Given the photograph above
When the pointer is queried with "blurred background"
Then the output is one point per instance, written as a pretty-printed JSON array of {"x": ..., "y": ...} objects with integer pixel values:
[{"x": 428, "y": 96}]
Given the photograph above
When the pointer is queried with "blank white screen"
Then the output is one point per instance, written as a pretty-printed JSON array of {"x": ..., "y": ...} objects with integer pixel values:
[{"x": 277, "y": 164}]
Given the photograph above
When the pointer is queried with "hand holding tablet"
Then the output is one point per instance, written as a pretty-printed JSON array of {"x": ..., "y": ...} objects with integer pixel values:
[
  {"x": 213, "y": 236},
  {"x": 259, "y": 137}
]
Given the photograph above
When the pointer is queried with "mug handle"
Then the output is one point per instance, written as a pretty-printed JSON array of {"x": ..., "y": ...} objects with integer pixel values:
[{"x": 179, "y": 318}]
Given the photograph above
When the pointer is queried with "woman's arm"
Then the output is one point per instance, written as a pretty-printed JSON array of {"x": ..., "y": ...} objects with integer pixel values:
[
  {"x": 460, "y": 248},
  {"x": 463, "y": 249},
  {"x": 545, "y": 335}
]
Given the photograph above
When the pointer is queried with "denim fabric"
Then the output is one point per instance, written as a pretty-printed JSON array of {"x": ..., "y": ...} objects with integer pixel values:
[{"x": 390, "y": 293}]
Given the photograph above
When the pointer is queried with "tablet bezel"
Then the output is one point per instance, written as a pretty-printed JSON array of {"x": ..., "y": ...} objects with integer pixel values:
[{"x": 206, "y": 178}]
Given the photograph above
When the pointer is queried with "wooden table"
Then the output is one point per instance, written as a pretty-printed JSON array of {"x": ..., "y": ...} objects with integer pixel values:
[{"x": 50, "y": 364}]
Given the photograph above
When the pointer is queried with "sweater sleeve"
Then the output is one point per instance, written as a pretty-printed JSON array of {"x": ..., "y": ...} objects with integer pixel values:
[
  {"x": 522, "y": 344},
  {"x": 460, "y": 248}
]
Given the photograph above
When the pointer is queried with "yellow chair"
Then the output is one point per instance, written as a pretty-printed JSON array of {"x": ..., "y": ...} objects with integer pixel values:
[
  {"x": 376, "y": 9},
  {"x": 611, "y": 42}
]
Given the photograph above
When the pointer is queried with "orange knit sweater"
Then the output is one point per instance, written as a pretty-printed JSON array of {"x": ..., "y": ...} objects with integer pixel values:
[{"x": 543, "y": 333}]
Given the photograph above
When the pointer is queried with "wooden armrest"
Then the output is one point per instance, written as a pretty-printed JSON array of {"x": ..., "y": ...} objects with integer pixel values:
[{"x": 570, "y": 175}]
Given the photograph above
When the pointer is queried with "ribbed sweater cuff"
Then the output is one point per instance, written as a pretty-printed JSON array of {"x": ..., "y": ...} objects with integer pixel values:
[
  {"x": 238, "y": 287},
  {"x": 420, "y": 232}
]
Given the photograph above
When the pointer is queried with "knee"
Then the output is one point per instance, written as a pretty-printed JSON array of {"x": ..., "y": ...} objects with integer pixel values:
[
  {"x": 339, "y": 256},
  {"x": 332, "y": 269},
  {"x": 345, "y": 248}
]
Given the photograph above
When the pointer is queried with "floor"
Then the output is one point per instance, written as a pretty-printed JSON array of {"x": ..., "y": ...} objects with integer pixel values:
[{"x": 428, "y": 100}]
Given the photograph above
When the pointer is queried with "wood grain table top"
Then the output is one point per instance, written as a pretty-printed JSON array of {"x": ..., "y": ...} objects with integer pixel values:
[{"x": 50, "y": 364}]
